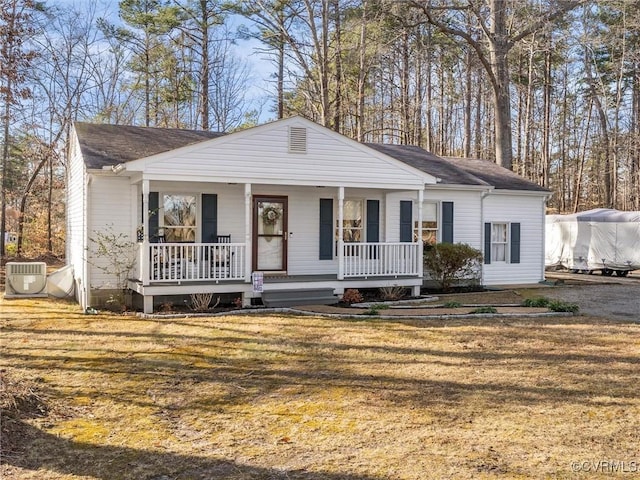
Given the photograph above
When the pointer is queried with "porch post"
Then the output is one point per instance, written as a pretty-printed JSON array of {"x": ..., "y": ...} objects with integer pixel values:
[
  {"x": 420, "y": 244},
  {"x": 340, "y": 233},
  {"x": 144, "y": 254},
  {"x": 248, "y": 251}
]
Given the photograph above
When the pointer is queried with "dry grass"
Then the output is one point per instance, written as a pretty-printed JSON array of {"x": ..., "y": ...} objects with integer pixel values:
[{"x": 285, "y": 397}]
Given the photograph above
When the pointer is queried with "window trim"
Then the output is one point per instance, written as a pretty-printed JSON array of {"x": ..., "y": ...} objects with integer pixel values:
[
  {"x": 506, "y": 243},
  {"x": 513, "y": 250}
]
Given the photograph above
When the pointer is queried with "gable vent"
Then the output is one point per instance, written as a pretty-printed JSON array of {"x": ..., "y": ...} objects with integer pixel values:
[{"x": 297, "y": 140}]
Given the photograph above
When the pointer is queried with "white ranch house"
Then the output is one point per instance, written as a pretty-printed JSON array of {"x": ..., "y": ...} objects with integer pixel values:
[{"x": 304, "y": 207}]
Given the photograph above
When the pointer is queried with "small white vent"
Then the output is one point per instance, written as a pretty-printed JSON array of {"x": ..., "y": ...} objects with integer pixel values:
[
  {"x": 26, "y": 279},
  {"x": 297, "y": 140}
]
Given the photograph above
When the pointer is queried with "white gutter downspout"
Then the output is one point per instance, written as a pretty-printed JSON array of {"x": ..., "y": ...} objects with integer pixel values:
[
  {"x": 420, "y": 243},
  {"x": 544, "y": 235},
  {"x": 248, "y": 234}
]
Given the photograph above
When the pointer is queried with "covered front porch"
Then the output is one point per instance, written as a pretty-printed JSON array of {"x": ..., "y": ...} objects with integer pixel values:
[
  {"x": 318, "y": 236},
  {"x": 305, "y": 236}
]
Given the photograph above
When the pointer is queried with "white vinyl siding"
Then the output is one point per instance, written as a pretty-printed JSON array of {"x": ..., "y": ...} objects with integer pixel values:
[
  {"x": 528, "y": 211},
  {"x": 110, "y": 206},
  {"x": 263, "y": 157},
  {"x": 76, "y": 218},
  {"x": 466, "y": 217}
]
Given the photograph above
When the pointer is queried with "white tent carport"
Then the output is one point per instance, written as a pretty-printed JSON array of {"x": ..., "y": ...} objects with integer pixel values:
[{"x": 599, "y": 239}]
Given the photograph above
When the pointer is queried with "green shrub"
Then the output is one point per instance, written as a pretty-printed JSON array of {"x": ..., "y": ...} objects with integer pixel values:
[
  {"x": 539, "y": 302},
  {"x": 452, "y": 305},
  {"x": 375, "y": 309},
  {"x": 553, "y": 305},
  {"x": 448, "y": 262},
  {"x": 560, "y": 306},
  {"x": 485, "y": 310}
]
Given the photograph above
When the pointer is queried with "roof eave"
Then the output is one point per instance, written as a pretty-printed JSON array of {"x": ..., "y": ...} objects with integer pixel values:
[
  {"x": 460, "y": 186},
  {"x": 533, "y": 193}
]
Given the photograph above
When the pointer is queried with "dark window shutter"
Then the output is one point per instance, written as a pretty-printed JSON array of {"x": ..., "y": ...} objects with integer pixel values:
[
  {"x": 487, "y": 243},
  {"x": 209, "y": 218},
  {"x": 154, "y": 214},
  {"x": 326, "y": 229},
  {"x": 373, "y": 226},
  {"x": 447, "y": 222},
  {"x": 373, "y": 220},
  {"x": 406, "y": 221},
  {"x": 514, "y": 257}
]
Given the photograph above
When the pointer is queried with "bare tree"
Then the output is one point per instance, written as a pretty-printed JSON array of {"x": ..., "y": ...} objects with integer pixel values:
[
  {"x": 15, "y": 58},
  {"x": 502, "y": 24}
]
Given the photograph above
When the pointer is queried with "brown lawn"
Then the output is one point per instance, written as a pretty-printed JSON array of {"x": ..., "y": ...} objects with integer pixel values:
[{"x": 288, "y": 397}]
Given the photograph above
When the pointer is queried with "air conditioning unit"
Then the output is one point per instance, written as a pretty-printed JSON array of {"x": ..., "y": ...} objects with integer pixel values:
[{"x": 25, "y": 279}]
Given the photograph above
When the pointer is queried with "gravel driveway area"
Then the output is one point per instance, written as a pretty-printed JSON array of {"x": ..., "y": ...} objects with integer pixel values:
[{"x": 615, "y": 301}]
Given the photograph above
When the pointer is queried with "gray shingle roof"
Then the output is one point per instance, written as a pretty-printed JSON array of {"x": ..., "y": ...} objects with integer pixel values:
[
  {"x": 458, "y": 171},
  {"x": 106, "y": 145},
  {"x": 426, "y": 161},
  {"x": 492, "y": 173}
]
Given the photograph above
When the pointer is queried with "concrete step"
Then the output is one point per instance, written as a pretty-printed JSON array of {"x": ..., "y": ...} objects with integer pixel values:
[{"x": 298, "y": 296}]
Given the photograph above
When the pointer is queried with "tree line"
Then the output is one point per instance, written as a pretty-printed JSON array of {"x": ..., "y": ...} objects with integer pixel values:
[{"x": 547, "y": 88}]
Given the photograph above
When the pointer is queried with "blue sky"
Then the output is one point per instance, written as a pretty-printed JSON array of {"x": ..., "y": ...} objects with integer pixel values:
[{"x": 260, "y": 94}]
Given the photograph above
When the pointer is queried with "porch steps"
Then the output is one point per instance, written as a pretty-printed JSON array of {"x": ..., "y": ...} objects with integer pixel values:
[{"x": 298, "y": 296}]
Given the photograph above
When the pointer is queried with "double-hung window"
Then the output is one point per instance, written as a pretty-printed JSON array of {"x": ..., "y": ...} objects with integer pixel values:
[
  {"x": 502, "y": 242},
  {"x": 499, "y": 242},
  {"x": 429, "y": 224},
  {"x": 352, "y": 221},
  {"x": 179, "y": 218}
]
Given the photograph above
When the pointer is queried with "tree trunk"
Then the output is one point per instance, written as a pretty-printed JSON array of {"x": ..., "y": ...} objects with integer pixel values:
[
  {"x": 498, "y": 50},
  {"x": 5, "y": 166},
  {"x": 405, "y": 115},
  {"x": 604, "y": 130},
  {"x": 204, "y": 72},
  {"x": 280, "y": 79},
  {"x": 634, "y": 180},
  {"x": 337, "y": 119},
  {"x": 466, "y": 153},
  {"x": 478, "y": 123},
  {"x": 25, "y": 196},
  {"x": 546, "y": 124},
  {"x": 362, "y": 75}
]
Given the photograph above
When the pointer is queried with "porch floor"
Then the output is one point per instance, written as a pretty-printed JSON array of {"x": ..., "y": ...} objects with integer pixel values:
[{"x": 271, "y": 282}]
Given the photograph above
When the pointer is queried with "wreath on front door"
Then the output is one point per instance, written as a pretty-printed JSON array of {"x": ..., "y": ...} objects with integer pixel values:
[{"x": 271, "y": 215}]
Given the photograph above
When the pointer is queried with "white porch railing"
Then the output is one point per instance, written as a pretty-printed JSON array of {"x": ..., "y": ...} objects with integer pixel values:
[
  {"x": 174, "y": 262},
  {"x": 177, "y": 262},
  {"x": 381, "y": 259}
]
